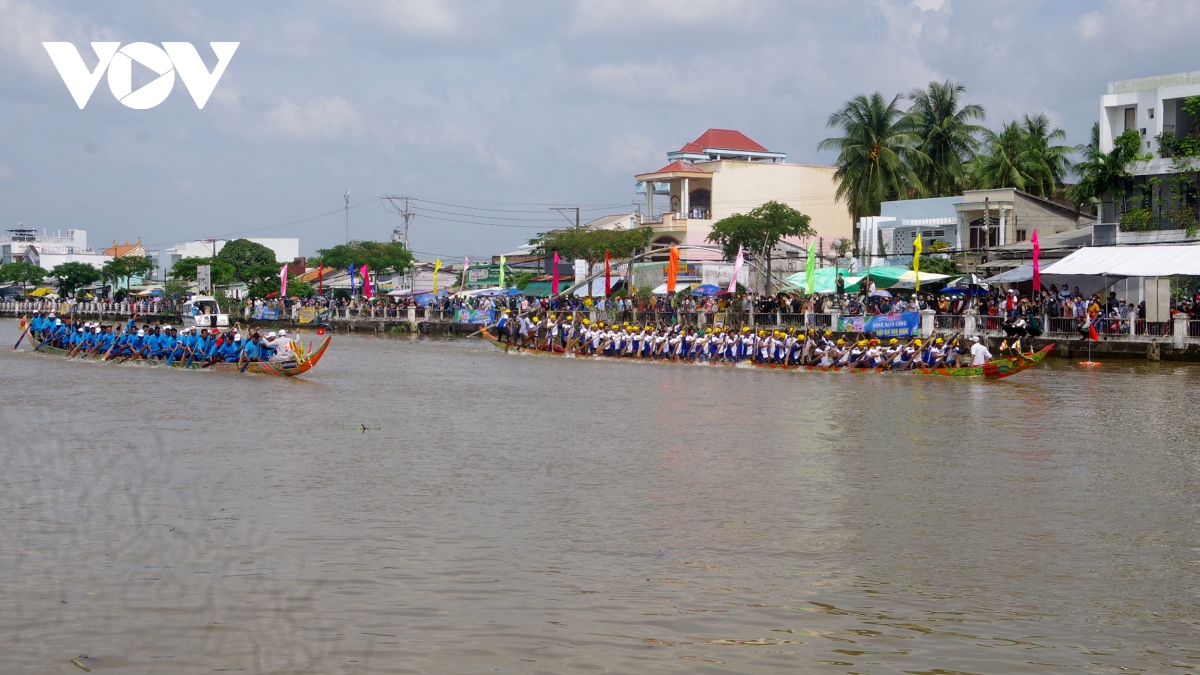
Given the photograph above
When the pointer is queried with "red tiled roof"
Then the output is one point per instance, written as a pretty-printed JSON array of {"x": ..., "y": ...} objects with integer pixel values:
[
  {"x": 723, "y": 139},
  {"x": 680, "y": 165}
]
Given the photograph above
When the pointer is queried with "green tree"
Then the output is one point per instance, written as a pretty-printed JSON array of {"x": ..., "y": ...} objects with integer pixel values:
[
  {"x": 72, "y": 276},
  {"x": 877, "y": 152},
  {"x": 760, "y": 231},
  {"x": 937, "y": 265},
  {"x": 251, "y": 261},
  {"x": 125, "y": 268},
  {"x": 1102, "y": 175},
  {"x": 947, "y": 136},
  {"x": 590, "y": 244},
  {"x": 1023, "y": 156},
  {"x": 379, "y": 257},
  {"x": 23, "y": 273},
  {"x": 295, "y": 288},
  {"x": 222, "y": 271}
]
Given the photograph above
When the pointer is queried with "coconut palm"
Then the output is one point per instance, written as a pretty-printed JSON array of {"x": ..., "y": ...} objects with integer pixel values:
[
  {"x": 1008, "y": 161},
  {"x": 876, "y": 153},
  {"x": 947, "y": 136},
  {"x": 1040, "y": 139},
  {"x": 1102, "y": 175}
]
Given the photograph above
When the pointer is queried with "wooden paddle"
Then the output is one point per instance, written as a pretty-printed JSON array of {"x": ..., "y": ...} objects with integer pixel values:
[{"x": 23, "y": 333}]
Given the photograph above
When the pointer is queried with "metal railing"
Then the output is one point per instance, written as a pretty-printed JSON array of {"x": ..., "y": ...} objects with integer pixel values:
[{"x": 949, "y": 322}]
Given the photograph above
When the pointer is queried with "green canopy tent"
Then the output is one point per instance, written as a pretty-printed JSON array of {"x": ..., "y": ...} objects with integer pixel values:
[{"x": 824, "y": 280}]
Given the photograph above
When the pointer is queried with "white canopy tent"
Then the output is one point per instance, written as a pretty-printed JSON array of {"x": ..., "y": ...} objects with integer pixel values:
[
  {"x": 679, "y": 288},
  {"x": 1016, "y": 275},
  {"x": 1094, "y": 268}
]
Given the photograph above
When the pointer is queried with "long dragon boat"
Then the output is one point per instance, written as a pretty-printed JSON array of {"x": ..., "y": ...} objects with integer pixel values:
[
  {"x": 994, "y": 370},
  {"x": 285, "y": 368}
]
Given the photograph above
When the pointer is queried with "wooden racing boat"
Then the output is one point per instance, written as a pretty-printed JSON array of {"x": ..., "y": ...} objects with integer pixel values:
[
  {"x": 994, "y": 370},
  {"x": 284, "y": 368}
]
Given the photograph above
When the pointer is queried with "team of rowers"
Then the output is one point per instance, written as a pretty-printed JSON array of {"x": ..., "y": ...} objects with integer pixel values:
[
  {"x": 728, "y": 345},
  {"x": 161, "y": 342}
]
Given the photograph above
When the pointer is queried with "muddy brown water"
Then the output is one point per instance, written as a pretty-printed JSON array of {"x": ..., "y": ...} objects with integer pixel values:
[{"x": 528, "y": 514}]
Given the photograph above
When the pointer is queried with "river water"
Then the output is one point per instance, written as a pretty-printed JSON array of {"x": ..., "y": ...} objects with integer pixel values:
[{"x": 531, "y": 514}]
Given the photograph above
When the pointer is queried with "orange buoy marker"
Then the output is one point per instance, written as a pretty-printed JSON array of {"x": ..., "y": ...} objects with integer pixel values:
[
  {"x": 1090, "y": 364},
  {"x": 321, "y": 331}
]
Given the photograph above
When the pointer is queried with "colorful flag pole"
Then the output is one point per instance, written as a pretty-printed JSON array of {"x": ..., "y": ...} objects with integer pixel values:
[
  {"x": 503, "y": 260},
  {"x": 917, "y": 259},
  {"x": 366, "y": 276},
  {"x": 607, "y": 273},
  {"x": 672, "y": 269},
  {"x": 1037, "y": 267},
  {"x": 283, "y": 281},
  {"x": 436, "y": 266},
  {"x": 554, "y": 276},
  {"x": 810, "y": 268},
  {"x": 737, "y": 268}
]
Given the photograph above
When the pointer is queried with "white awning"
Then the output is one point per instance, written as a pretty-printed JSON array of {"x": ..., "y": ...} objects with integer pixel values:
[
  {"x": 1129, "y": 261},
  {"x": 1016, "y": 275}
]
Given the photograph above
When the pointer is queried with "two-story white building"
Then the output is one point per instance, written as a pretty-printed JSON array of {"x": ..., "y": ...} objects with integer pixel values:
[{"x": 1151, "y": 106}]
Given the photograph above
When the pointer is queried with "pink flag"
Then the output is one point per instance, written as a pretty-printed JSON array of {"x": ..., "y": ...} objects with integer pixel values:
[
  {"x": 737, "y": 268},
  {"x": 1037, "y": 268},
  {"x": 283, "y": 281},
  {"x": 366, "y": 281},
  {"x": 554, "y": 277}
]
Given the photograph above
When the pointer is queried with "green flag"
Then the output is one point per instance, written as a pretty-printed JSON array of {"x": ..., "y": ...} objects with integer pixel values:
[
  {"x": 501, "y": 271},
  {"x": 810, "y": 268}
]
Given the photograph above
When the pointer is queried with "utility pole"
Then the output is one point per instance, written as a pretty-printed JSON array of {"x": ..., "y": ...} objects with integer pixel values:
[
  {"x": 405, "y": 213},
  {"x": 560, "y": 210},
  {"x": 346, "y": 197}
]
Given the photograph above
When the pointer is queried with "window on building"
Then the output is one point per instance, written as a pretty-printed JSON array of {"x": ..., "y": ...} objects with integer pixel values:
[
  {"x": 1150, "y": 112},
  {"x": 1021, "y": 235},
  {"x": 1130, "y": 118}
]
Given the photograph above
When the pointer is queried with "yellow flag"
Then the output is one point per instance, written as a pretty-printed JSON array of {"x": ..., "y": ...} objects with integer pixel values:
[
  {"x": 436, "y": 266},
  {"x": 917, "y": 259}
]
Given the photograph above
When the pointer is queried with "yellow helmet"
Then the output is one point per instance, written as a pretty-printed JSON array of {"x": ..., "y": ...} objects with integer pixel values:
[
  {"x": 917, "y": 342},
  {"x": 939, "y": 341},
  {"x": 745, "y": 329},
  {"x": 893, "y": 341},
  {"x": 535, "y": 319},
  {"x": 586, "y": 322},
  {"x": 862, "y": 343},
  {"x": 841, "y": 341}
]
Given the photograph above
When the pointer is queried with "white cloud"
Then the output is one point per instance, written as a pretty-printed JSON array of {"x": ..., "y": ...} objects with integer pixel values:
[
  {"x": 419, "y": 18},
  {"x": 930, "y": 5},
  {"x": 23, "y": 28},
  {"x": 602, "y": 15},
  {"x": 1089, "y": 25},
  {"x": 320, "y": 118}
]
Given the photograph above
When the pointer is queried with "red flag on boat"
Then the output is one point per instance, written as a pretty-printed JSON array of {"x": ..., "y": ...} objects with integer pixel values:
[{"x": 607, "y": 273}]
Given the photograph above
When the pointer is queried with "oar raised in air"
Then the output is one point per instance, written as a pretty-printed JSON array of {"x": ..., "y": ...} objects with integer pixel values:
[{"x": 23, "y": 333}]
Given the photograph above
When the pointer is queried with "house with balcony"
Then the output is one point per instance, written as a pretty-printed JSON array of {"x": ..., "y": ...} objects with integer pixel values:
[
  {"x": 1162, "y": 200},
  {"x": 723, "y": 173}
]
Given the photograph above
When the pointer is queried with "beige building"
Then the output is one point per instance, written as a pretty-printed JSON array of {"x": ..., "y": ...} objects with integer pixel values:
[{"x": 724, "y": 173}]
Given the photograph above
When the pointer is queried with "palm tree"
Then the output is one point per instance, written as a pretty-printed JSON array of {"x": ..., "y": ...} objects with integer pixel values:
[
  {"x": 1102, "y": 175},
  {"x": 876, "y": 153},
  {"x": 1007, "y": 161},
  {"x": 947, "y": 135},
  {"x": 1056, "y": 158}
]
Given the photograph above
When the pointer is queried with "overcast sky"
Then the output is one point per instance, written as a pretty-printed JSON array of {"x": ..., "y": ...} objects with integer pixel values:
[{"x": 507, "y": 106}]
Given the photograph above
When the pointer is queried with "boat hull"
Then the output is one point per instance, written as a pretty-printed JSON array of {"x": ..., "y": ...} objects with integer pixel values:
[
  {"x": 261, "y": 368},
  {"x": 995, "y": 370}
]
